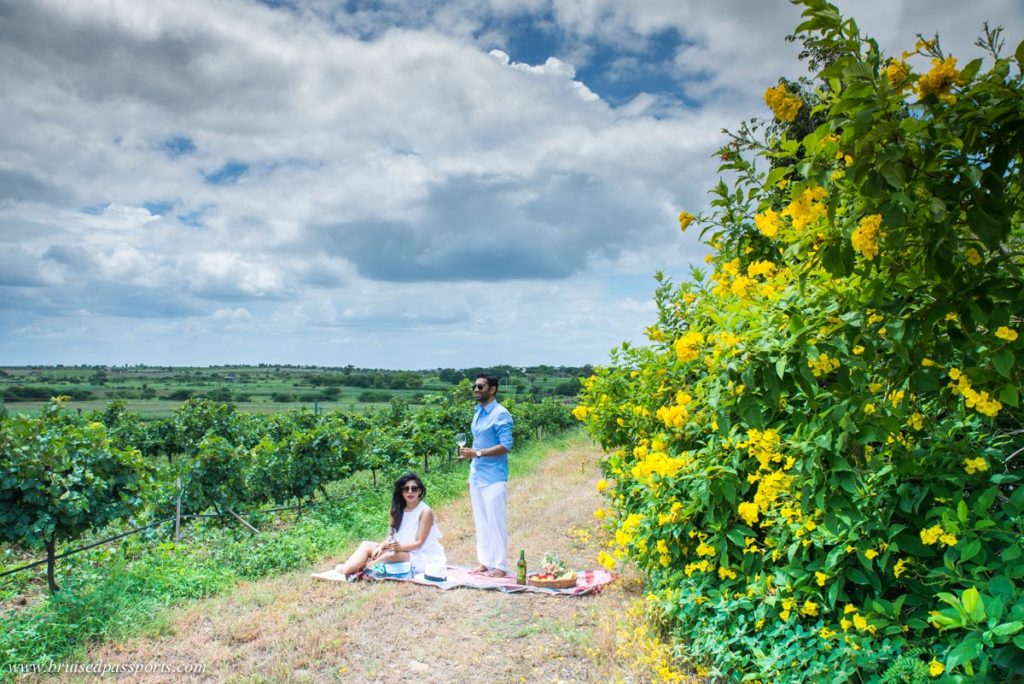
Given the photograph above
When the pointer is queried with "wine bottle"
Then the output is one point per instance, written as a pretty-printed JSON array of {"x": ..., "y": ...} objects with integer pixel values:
[{"x": 521, "y": 567}]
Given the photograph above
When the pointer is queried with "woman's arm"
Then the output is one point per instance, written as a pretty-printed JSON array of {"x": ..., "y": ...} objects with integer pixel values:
[{"x": 422, "y": 532}]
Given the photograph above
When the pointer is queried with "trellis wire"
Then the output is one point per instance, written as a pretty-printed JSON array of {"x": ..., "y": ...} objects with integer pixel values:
[{"x": 183, "y": 516}]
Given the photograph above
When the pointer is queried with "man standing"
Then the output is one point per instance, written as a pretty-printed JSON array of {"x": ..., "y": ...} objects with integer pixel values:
[{"x": 488, "y": 476}]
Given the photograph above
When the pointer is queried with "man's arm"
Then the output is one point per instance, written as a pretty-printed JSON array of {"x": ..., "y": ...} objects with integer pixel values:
[{"x": 504, "y": 445}]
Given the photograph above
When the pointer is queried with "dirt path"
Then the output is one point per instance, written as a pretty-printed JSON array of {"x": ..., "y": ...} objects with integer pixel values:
[{"x": 291, "y": 628}]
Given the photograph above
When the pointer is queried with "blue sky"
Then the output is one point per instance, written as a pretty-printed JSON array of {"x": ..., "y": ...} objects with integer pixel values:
[{"x": 386, "y": 184}]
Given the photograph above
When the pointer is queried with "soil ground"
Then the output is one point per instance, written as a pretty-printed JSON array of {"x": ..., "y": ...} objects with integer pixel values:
[{"x": 291, "y": 628}]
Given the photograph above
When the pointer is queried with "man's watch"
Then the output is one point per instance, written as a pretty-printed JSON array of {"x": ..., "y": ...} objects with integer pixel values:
[{"x": 477, "y": 452}]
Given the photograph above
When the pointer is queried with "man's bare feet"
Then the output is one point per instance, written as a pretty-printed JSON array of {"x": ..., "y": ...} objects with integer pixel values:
[
  {"x": 496, "y": 572},
  {"x": 479, "y": 570}
]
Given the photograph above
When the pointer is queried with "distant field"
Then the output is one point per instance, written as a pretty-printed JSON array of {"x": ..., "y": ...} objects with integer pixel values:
[{"x": 155, "y": 392}]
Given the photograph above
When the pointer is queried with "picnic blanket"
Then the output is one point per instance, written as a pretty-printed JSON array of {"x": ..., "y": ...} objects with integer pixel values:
[{"x": 587, "y": 581}]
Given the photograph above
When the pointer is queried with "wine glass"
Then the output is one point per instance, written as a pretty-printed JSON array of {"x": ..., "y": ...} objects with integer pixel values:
[{"x": 460, "y": 439}]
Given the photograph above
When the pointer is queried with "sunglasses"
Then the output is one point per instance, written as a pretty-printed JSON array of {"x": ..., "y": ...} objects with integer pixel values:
[
  {"x": 411, "y": 488},
  {"x": 480, "y": 387}
]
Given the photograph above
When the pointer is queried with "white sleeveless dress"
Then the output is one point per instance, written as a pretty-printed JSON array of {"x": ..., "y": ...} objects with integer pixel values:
[{"x": 431, "y": 552}]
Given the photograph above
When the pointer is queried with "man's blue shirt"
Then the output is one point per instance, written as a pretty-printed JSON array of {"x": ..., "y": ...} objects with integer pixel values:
[{"x": 492, "y": 425}]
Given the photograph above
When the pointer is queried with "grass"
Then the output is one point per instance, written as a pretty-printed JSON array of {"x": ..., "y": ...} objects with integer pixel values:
[{"x": 136, "y": 589}]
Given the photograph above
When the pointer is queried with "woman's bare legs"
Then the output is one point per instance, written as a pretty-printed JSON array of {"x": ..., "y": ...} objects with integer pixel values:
[{"x": 369, "y": 551}]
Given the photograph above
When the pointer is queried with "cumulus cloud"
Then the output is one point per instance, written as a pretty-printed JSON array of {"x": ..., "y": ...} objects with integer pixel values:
[{"x": 499, "y": 178}]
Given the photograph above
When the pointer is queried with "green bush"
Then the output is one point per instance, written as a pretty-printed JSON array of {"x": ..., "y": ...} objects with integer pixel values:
[{"x": 816, "y": 461}]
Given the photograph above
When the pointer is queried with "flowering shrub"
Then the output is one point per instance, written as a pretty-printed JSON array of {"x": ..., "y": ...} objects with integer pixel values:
[{"x": 816, "y": 460}]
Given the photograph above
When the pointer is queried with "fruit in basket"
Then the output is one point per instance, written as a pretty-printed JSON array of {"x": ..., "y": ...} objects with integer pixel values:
[{"x": 552, "y": 569}]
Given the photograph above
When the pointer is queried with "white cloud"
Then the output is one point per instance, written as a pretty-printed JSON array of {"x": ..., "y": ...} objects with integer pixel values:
[{"x": 369, "y": 186}]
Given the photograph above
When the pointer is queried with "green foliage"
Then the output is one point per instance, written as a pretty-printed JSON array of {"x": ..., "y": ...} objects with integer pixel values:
[
  {"x": 60, "y": 476},
  {"x": 819, "y": 452}
]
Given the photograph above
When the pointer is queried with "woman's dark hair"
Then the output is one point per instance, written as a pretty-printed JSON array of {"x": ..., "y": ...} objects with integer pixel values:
[{"x": 398, "y": 501}]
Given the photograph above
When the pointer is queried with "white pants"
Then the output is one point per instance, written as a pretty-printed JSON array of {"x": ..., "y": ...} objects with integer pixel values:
[{"x": 489, "y": 503}]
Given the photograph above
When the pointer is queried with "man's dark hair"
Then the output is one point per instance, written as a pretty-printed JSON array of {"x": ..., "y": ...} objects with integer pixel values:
[{"x": 492, "y": 380}]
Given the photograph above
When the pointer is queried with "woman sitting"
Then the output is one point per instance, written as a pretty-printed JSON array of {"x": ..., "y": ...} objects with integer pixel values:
[{"x": 412, "y": 537}]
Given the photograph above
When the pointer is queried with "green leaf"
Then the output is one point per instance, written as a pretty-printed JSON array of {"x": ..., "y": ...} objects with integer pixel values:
[
  {"x": 924, "y": 381},
  {"x": 970, "y": 70},
  {"x": 967, "y": 651},
  {"x": 1003, "y": 362},
  {"x": 961, "y": 511},
  {"x": 971, "y": 601},
  {"x": 1020, "y": 54},
  {"x": 970, "y": 550},
  {"x": 1008, "y": 628},
  {"x": 857, "y": 575},
  {"x": 1008, "y": 395},
  {"x": 858, "y": 70},
  {"x": 894, "y": 175},
  {"x": 987, "y": 227},
  {"x": 780, "y": 368}
]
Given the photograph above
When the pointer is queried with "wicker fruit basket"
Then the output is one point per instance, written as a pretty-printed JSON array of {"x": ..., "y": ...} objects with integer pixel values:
[{"x": 560, "y": 583}]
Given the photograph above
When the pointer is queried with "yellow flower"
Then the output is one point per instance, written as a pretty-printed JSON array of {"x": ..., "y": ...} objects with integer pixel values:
[
  {"x": 975, "y": 465},
  {"x": 916, "y": 421},
  {"x": 973, "y": 258},
  {"x": 706, "y": 550},
  {"x": 935, "y": 668},
  {"x": 600, "y": 514},
  {"x": 685, "y": 219},
  {"x": 821, "y": 578},
  {"x": 807, "y": 208},
  {"x": 580, "y": 412},
  {"x": 897, "y": 71},
  {"x": 858, "y": 350},
  {"x": 782, "y": 103},
  {"x": 823, "y": 365},
  {"x": 871, "y": 554},
  {"x": 1004, "y": 333},
  {"x": 826, "y": 633},
  {"x": 927, "y": 363},
  {"x": 602, "y": 485},
  {"x": 810, "y": 608},
  {"x": 938, "y": 82},
  {"x": 930, "y": 535},
  {"x": 954, "y": 373},
  {"x": 865, "y": 237},
  {"x": 687, "y": 346},
  {"x": 860, "y": 622},
  {"x": 869, "y": 409},
  {"x": 749, "y": 512},
  {"x": 900, "y": 567},
  {"x": 726, "y": 573},
  {"x": 769, "y": 222},
  {"x": 948, "y": 539},
  {"x": 606, "y": 560}
]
